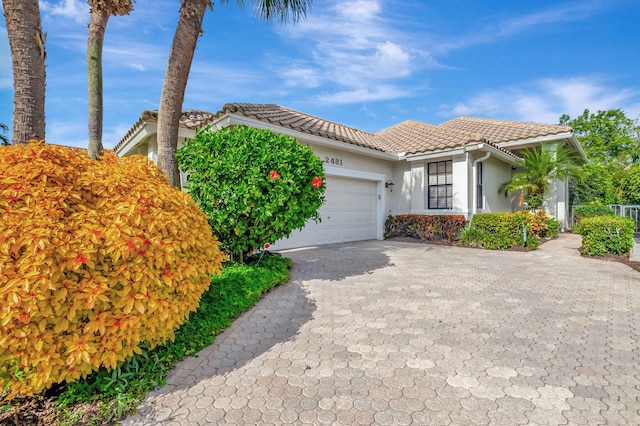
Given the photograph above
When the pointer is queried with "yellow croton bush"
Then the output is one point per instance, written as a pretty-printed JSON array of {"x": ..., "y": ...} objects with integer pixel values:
[{"x": 96, "y": 258}]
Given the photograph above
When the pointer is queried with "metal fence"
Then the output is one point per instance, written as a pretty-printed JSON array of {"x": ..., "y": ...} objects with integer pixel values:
[{"x": 632, "y": 211}]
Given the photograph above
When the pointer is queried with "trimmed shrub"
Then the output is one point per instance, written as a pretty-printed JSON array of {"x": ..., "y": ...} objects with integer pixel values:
[
  {"x": 504, "y": 230},
  {"x": 591, "y": 210},
  {"x": 256, "y": 186},
  {"x": 96, "y": 259},
  {"x": 606, "y": 234},
  {"x": 424, "y": 227}
]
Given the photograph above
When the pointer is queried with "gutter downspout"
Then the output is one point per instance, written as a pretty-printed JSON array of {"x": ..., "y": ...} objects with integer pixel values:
[{"x": 474, "y": 204}]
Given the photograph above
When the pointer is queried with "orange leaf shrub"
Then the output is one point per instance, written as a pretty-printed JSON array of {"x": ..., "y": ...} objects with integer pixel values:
[{"x": 96, "y": 257}]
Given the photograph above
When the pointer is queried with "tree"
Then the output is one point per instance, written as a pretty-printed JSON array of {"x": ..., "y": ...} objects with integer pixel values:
[
  {"x": 630, "y": 185},
  {"x": 28, "y": 54},
  {"x": 255, "y": 186},
  {"x": 538, "y": 166},
  {"x": 607, "y": 136},
  {"x": 3, "y": 138},
  {"x": 598, "y": 183},
  {"x": 179, "y": 63},
  {"x": 100, "y": 11}
]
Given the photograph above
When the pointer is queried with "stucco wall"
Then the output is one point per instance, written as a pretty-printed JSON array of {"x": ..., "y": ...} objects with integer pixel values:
[{"x": 496, "y": 173}]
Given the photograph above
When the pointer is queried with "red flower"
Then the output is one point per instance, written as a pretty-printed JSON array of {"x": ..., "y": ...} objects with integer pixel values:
[
  {"x": 167, "y": 273},
  {"x": 316, "y": 182},
  {"x": 274, "y": 175},
  {"x": 266, "y": 246},
  {"x": 132, "y": 246},
  {"x": 81, "y": 258}
]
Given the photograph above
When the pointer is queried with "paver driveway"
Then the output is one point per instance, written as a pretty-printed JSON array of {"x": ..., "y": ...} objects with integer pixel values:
[{"x": 383, "y": 332}]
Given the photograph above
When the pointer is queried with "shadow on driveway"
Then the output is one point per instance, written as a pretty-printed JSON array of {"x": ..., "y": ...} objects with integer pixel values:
[{"x": 336, "y": 262}]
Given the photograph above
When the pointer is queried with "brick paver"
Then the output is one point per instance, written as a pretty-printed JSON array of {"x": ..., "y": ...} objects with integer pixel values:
[{"x": 381, "y": 332}]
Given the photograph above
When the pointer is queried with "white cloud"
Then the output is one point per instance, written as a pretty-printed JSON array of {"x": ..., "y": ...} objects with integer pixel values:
[
  {"x": 352, "y": 46},
  {"x": 303, "y": 76},
  {"x": 545, "y": 100},
  {"x": 76, "y": 10},
  {"x": 499, "y": 28},
  {"x": 363, "y": 95}
]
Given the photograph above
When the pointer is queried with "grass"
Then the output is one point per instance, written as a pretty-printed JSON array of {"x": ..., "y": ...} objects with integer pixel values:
[{"x": 107, "y": 396}]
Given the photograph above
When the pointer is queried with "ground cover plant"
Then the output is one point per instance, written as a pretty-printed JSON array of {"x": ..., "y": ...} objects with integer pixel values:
[
  {"x": 255, "y": 186},
  {"x": 98, "y": 260},
  {"x": 104, "y": 397}
]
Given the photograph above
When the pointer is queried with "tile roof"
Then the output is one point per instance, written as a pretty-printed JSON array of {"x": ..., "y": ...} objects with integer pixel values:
[
  {"x": 414, "y": 137},
  {"x": 498, "y": 131},
  {"x": 410, "y": 137},
  {"x": 305, "y": 123},
  {"x": 190, "y": 119}
]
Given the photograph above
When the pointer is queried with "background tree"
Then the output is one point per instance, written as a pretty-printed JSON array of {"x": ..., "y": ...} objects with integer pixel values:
[
  {"x": 537, "y": 167},
  {"x": 179, "y": 64},
  {"x": 28, "y": 54},
  {"x": 606, "y": 136},
  {"x": 100, "y": 11},
  {"x": 612, "y": 144},
  {"x": 255, "y": 186},
  {"x": 4, "y": 140}
]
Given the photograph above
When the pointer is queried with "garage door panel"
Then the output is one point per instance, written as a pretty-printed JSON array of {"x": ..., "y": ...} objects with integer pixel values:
[{"x": 348, "y": 214}]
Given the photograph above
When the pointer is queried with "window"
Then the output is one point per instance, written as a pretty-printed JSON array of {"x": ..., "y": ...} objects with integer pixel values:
[
  {"x": 440, "y": 186},
  {"x": 479, "y": 198}
]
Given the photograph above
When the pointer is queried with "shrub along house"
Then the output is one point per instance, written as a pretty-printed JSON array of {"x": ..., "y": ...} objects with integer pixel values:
[{"x": 413, "y": 167}]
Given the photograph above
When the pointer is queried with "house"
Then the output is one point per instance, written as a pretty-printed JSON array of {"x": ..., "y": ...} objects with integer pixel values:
[{"x": 452, "y": 168}]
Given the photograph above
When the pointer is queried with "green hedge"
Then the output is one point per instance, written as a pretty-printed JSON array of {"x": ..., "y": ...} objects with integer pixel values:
[
  {"x": 504, "y": 230},
  {"x": 425, "y": 227},
  {"x": 590, "y": 210},
  {"x": 606, "y": 234}
]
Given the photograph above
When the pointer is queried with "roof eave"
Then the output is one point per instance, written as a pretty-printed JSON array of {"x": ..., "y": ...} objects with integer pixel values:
[
  {"x": 495, "y": 151},
  {"x": 137, "y": 136},
  {"x": 569, "y": 136}
]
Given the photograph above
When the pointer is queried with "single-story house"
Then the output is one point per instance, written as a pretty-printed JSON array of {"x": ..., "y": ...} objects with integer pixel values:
[{"x": 452, "y": 168}]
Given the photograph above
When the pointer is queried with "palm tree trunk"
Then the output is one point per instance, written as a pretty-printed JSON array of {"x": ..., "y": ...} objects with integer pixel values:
[
  {"x": 28, "y": 54},
  {"x": 97, "y": 27},
  {"x": 175, "y": 83}
]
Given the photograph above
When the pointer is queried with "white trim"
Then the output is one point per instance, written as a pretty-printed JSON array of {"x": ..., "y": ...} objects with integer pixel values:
[
  {"x": 538, "y": 139},
  {"x": 474, "y": 182},
  {"x": 380, "y": 191},
  {"x": 139, "y": 136},
  {"x": 498, "y": 153},
  {"x": 435, "y": 154}
]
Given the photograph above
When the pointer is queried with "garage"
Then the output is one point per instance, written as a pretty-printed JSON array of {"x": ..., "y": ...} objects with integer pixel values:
[{"x": 349, "y": 213}]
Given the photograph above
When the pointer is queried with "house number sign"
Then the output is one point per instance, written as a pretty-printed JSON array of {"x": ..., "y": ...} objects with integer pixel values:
[{"x": 333, "y": 160}]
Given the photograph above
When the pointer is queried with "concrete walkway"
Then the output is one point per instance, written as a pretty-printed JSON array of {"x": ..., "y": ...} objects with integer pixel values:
[
  {"x": 381, "y": 332},
  {"x": 635, "y": 252}
]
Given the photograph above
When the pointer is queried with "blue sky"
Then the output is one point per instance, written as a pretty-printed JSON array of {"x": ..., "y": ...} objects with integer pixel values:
[{"x": 369, "y": 64}]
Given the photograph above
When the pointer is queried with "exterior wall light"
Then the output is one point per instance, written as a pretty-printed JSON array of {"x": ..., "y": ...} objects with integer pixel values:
[{"x": 389, "y": 184}]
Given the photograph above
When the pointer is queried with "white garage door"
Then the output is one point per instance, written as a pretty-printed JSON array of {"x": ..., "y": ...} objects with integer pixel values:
[{"x": 348, "y": 214}]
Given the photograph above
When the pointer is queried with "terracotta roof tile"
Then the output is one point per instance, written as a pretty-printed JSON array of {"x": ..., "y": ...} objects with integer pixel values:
[
  {"x": 305, "y": 123},
  {"x": 191, "y": 119},
  {"x": 498, "y": 131},
  {"x": 411, "y": 137},
  {"x": 414, "y": 137}
]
